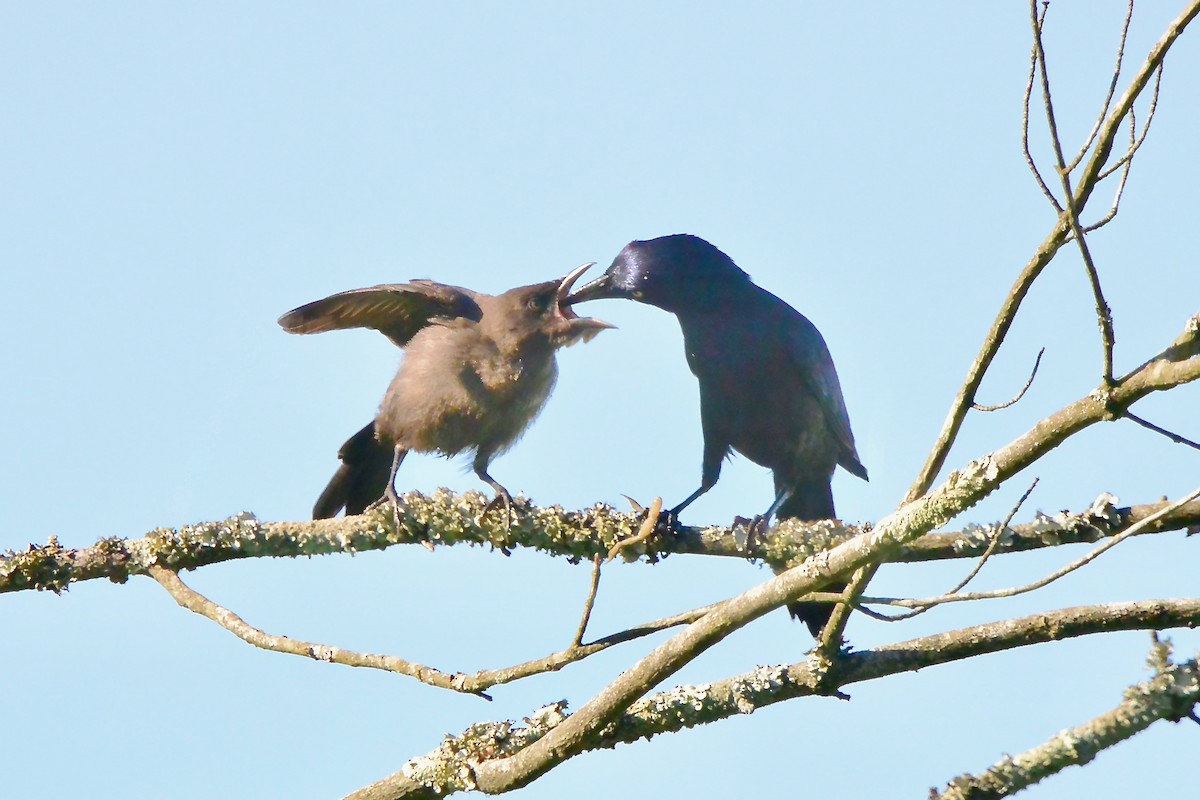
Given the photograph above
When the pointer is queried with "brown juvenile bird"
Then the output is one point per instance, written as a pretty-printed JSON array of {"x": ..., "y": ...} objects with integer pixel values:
[{"x": 478, "y": 368}]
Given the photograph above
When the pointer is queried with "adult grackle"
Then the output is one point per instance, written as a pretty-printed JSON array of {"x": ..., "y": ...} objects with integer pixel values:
[
  {"x": 477, "y": 370},
  {"x": 768, "y": 388}
]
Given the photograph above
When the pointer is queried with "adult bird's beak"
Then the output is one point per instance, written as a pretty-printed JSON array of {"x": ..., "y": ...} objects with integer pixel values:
[
  {"x": 576, "y": 328},
  {"x": 598, "y": 289}
]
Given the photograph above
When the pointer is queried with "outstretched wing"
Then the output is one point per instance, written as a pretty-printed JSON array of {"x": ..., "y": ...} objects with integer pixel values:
[{"x": 397, "y": 310}]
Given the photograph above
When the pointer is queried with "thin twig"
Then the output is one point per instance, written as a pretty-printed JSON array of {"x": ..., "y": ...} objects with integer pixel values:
[
  {"x": 591, "y": 599},
  {"x": 194, "y": 601},
  {"x": 1125, "y": 168},
  {"x": 466, "y": 683},
  {"x": 991, "y": 549},
  {"x": 1136, "y": 144},
  {"x": 995, "y": 539},
  {"x": 1037, "y": 363},
  {"x": 1133, "y": 530},
  {"x": 1112, "y": 88},
  {"x": 1103, "y": 312},
  {"x": 646, "y": 531},
  {"x": 1033, "y": 65},
  {"x": 1174, "y": 437},
  {"x": 1045, "y": 252}
]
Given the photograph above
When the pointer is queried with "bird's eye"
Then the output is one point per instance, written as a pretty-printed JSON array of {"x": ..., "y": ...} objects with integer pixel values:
[{"x": 536, "y": 303}]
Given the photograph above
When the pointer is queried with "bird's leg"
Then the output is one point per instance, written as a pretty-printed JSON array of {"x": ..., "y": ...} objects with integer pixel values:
[
  {"x": 759, "y": 524},
  {"x": 390, "y": 494},
  {"x": 709, "y": 472},
  {"x": 502, "y": 496}
]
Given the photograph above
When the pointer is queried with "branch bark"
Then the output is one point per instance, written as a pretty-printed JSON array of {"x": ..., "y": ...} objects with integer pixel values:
[
  {"x": 574, "y": 534},
  {"x": 1170, "y": 694},
  {"x": 457, "y": 764}
]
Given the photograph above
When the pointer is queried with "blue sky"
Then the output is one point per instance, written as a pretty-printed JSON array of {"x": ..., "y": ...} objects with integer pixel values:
[{"x": 178, "y": 175}]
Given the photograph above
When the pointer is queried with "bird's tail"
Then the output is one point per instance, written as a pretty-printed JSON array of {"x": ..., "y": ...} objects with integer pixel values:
[
  {"x": 360, "y": 480},
  {"x": 811, "y": 500}
]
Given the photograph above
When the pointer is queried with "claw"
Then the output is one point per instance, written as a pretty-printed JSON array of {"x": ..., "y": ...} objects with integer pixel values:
[
  {"x": 502, "y": 497},
  {"x": 755, "y": 526},
  {"x": 399, "y": 509}
]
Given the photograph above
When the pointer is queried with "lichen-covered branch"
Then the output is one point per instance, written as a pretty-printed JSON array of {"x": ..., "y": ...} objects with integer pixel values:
[
  {"x": 1170, "y": 694},
  {"x": 1103, "y": 519},
  {"x": 574, "y": 534},
  {"x": 446, "y": 518},
  {"x": 1179, "y": 363},
  {"x": 955, "y": 596},
  {"x": 441, "y": 517},
  {"x": 457, "y": 763}
]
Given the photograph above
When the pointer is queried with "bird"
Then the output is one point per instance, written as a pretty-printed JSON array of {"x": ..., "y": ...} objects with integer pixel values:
[
  {"x": 476, "y": 372},
  {"x": 768, "y": 386}
]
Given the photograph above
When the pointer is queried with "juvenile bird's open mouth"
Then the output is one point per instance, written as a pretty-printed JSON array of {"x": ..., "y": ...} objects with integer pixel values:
[{"x": 576, "y": 328}]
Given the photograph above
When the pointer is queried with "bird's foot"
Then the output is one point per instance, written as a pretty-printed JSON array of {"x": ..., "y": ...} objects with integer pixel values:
[
  {"x": 502, "y": 498},
  {"x": 399, "y": 510},
  {"x": 754, "y": 527}
]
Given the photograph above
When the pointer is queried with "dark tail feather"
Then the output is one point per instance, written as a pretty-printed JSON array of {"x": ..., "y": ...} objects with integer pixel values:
[
  {"x": 360, "y": 480},
  {"x": 811, "y": 500}
]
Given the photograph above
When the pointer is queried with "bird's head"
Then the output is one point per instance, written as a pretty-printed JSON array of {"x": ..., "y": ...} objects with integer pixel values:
[
  {"x": 542, "y": 309},
  {"x": 671, "y": 272}
]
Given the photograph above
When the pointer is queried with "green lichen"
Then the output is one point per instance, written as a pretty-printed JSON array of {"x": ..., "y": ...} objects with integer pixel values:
[{"x": 451, "y": 766}]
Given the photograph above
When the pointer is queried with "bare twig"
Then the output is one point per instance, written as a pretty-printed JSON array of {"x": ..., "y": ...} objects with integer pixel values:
[
  {"x": 591, "y": 599},
  {"x": 1135, "y": 144},
  {"x": 996, "y": 539},
  {"x": 1126, "y": 161},
  {"x": 1174, "y": 437},
  {"x": 1039, "y": 21},
  {"x": 646, "y": 531},
  {"x": 1045, "y": 252},
  {"x": 466, "y": 683},
  {"x": 1125, "y": 168},
  {"x": 1036, "y": 363},
  {"x": 194, "y": 601},
  {"x": 1112, "y": 88},
  {"x": 952, "y": 597},
  {"x": 1071, "y": 212},
  {"x": 991, "y": 549}
]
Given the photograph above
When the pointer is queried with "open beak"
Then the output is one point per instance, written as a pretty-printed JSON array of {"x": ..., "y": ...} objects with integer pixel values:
[
  {"x": 598, "y": 289},
  {"x": 577, "y": 328}
]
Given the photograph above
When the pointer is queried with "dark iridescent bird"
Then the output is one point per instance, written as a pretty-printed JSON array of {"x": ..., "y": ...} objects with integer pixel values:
[
  {"x": 768, "y": 387},
  {"x": 476, "y": 372}
]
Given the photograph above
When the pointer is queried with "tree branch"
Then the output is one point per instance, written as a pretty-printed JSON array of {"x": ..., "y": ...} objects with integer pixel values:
[
  {"x": 1170, "y": 694},
  {"x": 1045, "y": 252},
  {"x": 194, "y": 601},
  {"x": 457, "y": 763},
  {"x": 953, "y": 596}
]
